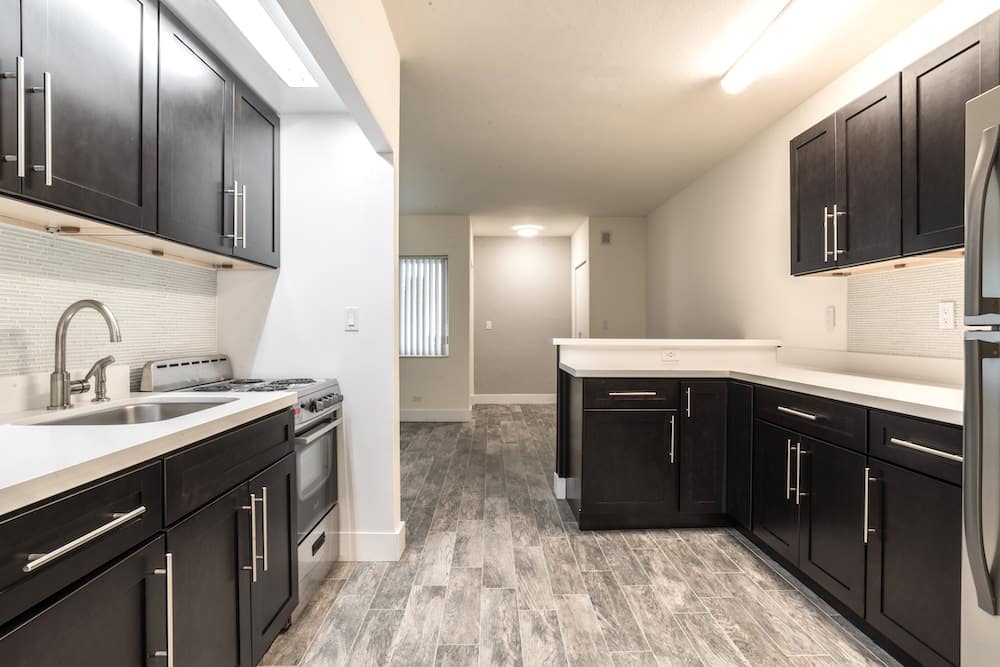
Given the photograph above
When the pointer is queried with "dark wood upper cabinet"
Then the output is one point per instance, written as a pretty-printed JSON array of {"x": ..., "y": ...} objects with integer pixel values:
[
  {"x": 739, "y": 451},
  {"x": 702, "y": 450},
  {"x": 256, "y": 171},
  {"x": 276, "y": 591},
  {"x": 935, "y": 90},
  {"x": 915, "y": 563},
  {"x": 812, "y": 164},
  {"x": 117, "y": 618},
  {"x": 211, "y": 588},
  {"x": 869, "y": 178},
  {"x": 195, "y": 143},
  {"x": 94, "y": 151},
  {"x": 10, "y": 49},
  {"x": 830, "y": 482}
]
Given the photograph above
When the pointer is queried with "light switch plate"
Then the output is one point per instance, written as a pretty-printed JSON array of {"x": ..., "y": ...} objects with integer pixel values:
[
  {"x": 946, "y": 315},
  {"x": 489, "y": 325},
  {"x": 352, "y": 318},
  {"x": 831, "y": 318},
  {"x": 670, "y": 356}
]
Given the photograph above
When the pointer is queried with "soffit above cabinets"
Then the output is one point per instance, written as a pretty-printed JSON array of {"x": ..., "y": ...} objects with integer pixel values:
[{"x": 208, "y": 21}]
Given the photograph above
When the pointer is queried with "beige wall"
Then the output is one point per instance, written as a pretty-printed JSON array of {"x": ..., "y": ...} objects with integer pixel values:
[
  {"x": 438, "y": 389},
  {"x": 718, "y": 252},
  {"x": 579, "y": 251},
  {"x": 618, "y": 278},
  {"x": 523, "y": 286}
]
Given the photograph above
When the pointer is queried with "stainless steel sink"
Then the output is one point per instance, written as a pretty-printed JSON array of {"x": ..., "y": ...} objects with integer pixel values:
[{"x": 136, "y": 413}]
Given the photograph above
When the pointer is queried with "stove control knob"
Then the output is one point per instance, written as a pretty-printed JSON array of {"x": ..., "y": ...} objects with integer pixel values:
[{"x": 312, "y": 406}]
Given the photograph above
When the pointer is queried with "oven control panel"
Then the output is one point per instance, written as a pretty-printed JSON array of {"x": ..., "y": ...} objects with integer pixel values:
[{"x": 317, "y": 405}]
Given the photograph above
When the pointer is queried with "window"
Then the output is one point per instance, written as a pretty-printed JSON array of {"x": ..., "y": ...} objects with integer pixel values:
[{"x": 423, "y": 306}]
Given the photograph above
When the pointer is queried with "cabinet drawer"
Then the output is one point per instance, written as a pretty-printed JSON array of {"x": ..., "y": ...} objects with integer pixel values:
[
  {"x": 75, "y": 534},
  {"x": 630, "y": 394},
  {"x": 929, "y": 447},
  {"x": 210, "y": 468},
  {"x": 839, "y": 423}
]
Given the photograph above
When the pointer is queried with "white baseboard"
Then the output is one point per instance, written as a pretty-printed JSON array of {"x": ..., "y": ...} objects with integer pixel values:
[
  {"x": 369, "y": 546},
  {"x": 409, "y": 415},
  {"x": 513, "y": 399},
  {"x": 559, "y": 486}
]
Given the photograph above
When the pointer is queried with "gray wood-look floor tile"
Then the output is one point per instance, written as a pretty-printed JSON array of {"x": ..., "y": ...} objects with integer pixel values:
[
  {"x": 500, "y": 643},
  {"x": 621, "y": 630},
  {"x": 460, "y": 624},
  {"x": 541, "y": 640},
  {"x": 417, "y": 636},
  {"x": 512, "y": 578}
]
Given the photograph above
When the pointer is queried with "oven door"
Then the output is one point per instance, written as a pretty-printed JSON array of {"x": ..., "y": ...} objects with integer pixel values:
[{"x": 316, "y": 464}]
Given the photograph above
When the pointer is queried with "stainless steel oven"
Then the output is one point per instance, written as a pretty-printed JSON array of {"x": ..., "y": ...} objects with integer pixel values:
[{"x": 316, "y": 465}]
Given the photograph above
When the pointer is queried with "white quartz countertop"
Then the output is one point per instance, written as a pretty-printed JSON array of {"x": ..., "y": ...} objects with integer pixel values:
[
  {"x": 936, "y": 402},
  {"x": 40, "y": 461},
  {"x": 665, "y": 343}
]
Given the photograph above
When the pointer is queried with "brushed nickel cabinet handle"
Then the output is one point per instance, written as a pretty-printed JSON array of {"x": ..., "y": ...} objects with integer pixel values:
[
  {"x": 245, "y": 219},
  {"x": 798, "y": 473},
  {"x": 868, "y": 480},
  {"x": 826, "y": 234},
  {"x": 263, "y": 507},
  {"x": 46, "y": 90},
  {"x": 625, "y": 394},
  {"x": 18, "y": 76},
  {"x": 925, "y": 450},
  {"x": 837, "y": 252},
  {"x": 689, "y": 402},
  {"x": 252, "y": 507},
  {"x": 36, "y": 561},
  {"x": 236, "y": 193},
  {"x": 797, "y": 413},
  {"x": 672, "y": 439},
  {"x": 169, "y": 572},
  {"x": 788, "y": 470}
]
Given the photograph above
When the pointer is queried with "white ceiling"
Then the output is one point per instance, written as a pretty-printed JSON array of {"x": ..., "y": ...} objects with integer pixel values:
[
  {"x": 593, "y": 107},
  {"x": 211, "y": 25}
]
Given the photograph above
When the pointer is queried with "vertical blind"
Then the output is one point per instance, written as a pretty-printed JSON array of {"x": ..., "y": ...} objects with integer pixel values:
[{"x": 423, "y": 306}]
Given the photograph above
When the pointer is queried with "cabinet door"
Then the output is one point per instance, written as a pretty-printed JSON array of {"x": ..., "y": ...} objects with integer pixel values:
[
  {"x": 211, "y": 587},
  {"x": 627, "y": 467},
  {"x": 739, "y": 443},
  {"x": 869, "y": 177},
  {"x": 775, "y": 514},
  {"x": 115, "y": 619},
  {"x": 256, "y": 152},
  {"x": 101, "y": 56},
  {"x": 812, "y": 164},
  {"x": 10, "y": 49},
  {"x": 830, "y": 482},
  {"x": 276, "y": 591},
  {"x": 935, "y": 90},
  {"x": 195, "y": 145},
  {"x": 702, "y": 446},
  {"x": 915, "y": 563}
]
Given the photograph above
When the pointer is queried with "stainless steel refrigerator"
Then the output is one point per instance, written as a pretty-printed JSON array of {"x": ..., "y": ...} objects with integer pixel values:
[{"x": 981, "y": 467}]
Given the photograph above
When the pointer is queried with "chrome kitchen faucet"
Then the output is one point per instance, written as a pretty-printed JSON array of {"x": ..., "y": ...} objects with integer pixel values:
[{"x": 61, "y": 387}]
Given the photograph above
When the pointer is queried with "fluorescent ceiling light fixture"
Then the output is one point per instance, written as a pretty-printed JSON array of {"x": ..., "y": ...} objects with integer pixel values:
[
  {"x": 527, "y": 231},
  {"x": 793, "y": 30},
  {"x": 262, "y": 32}
]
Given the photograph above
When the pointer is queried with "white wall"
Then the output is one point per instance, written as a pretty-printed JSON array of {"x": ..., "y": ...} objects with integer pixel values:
[
  {"x": 338, "y": 249},
  {"x": 438, "y": 388},
  {"x": 718, "y": 252},
  {"x": 618, "y": 278},
  {"x": 579, "y": 253}
]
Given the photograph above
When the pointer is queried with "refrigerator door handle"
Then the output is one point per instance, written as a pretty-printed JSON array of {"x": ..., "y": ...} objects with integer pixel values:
[
  {"x": 972, "y": 472},
  {"x": 975, "y": 221}
]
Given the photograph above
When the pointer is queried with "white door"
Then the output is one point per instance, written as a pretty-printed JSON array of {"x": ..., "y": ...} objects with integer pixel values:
[{"x": 581, "y": 301}]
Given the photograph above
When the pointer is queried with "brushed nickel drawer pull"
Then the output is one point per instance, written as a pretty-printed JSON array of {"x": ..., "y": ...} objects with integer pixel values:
[
  {"x": 925, "y": 450},
  {"x": 36, "y": 561},
  {"x": 169, "y": 572},
  {"x": 618, "y": 394},
  {"x": 797, "y": 413}
]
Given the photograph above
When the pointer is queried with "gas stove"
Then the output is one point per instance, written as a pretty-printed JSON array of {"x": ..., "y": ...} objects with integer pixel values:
[{"x": 214, "y": 374}]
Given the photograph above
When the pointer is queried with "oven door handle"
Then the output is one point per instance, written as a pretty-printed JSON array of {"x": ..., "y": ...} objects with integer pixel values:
[{"x": 317, "y": 434}]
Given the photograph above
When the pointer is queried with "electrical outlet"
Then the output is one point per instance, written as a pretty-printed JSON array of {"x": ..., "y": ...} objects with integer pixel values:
[
  {"x": 946, "y": 315},
  {"x": 489, "y": 325},
  {"x": 352, "y": 318},
  {"x": 670, "y": 356},
  {"x": 417, "y": 398},
  {"x": 831, "y": 318}
]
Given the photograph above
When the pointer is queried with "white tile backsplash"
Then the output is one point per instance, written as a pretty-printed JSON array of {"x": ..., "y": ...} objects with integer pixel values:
[
  {"x": 164, "y": 308},
  {"x": 896, "y": 312}
]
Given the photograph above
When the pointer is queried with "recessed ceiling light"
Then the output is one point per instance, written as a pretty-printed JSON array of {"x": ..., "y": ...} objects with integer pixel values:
[
  {"x": 790, "y": 32},
  {"x": 262, "y": 32},
  {"x": 527, "y": 230}
]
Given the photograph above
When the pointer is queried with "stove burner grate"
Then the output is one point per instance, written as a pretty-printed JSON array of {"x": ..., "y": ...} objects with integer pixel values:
[
  {"x": 213, "y": 387},
  {"x": 294, "y": 381},
  {"x": 239, "y": 381}
]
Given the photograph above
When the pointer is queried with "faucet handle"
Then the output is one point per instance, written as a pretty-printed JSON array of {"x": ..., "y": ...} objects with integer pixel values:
[{"x": 99, "y": 372}]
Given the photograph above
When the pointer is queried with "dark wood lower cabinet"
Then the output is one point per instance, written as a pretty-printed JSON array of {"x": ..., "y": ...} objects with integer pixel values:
[
  {"x": 830, "y": 482},
  {"x": 915, "y": 563},
  {"x": 702, "y": 444},
  {"x": 775, "y": 514},
  {"x": 276, "y": 591},
  {"x": 629, "y": 479},
  {"x": 117, "y": 618},
  {"x": 739, "y": 452},
  {"x": 211, "y": 588}
]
